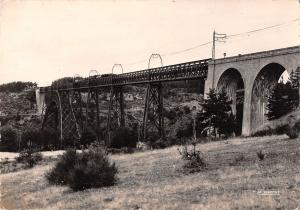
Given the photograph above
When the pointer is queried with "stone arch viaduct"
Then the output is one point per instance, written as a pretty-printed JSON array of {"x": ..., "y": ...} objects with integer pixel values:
[
  {"x": 251, "y": 75},
  {"x": 247, "y": 80}
]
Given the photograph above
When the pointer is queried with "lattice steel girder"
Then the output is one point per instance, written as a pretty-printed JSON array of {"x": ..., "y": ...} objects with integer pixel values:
[
  {"x": 59, "y": 115},
  {"x": 153, "y": 112},
  {"x": 51, "y": 114},
  {"x": 183, "y": 71},
  {"x": 77, "y": 110},
  {"x": 92, "y": 115},
  {"x": 116, "y": 112},
  {"x": 68, "y": 121}
]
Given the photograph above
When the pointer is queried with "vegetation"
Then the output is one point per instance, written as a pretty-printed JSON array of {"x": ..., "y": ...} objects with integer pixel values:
[
  {"x": 63, "y": 82},
  {"x": 288, "y": 124},
  {"x": 29, "y": 157},
  {"x": 284, "y": 97},
  {"x": 282, "y": 100},
  {"x": 9, "y": 139},
  {"x": 124, "y": 137},
  {"x": 261, "y": 155},
  {"x": 194, "y": 160},
  {"x": 89, "y": 169},
  {"x": 17, "y": 87},
  {"x": 217, "y": 117},
  {"x": 154, "y": 180}
]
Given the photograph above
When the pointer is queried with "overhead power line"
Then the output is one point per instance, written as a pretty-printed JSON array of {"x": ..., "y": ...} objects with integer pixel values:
[
  {"x": 264, "y": 28},
  {"x": 228, "y": 36}
]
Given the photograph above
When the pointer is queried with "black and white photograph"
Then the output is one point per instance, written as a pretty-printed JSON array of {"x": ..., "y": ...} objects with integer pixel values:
[{"x": 149, "y": 104}]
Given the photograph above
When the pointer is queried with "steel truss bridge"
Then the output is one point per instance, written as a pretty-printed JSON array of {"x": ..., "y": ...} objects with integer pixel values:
[{"x": 66, "y": 111}]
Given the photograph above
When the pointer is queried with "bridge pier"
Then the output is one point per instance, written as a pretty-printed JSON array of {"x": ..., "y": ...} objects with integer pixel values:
[
  {"x": 40, "y": 101},
  {"x": 259, "y": 71},
  {"x": 116, "y": 114},
  {"x": 92, "y": 117},
  {"x": 153, "y": 111}
]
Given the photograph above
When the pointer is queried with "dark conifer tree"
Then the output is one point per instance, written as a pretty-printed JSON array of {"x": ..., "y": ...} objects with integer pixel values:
[
  {"x": 217, "y": 112},
  {"x": 281, "y": 100},
  {"x": 294, "y": 78}
]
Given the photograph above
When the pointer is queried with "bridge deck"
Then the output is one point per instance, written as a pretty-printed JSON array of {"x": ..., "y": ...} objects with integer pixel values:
[{"x": 183, "y": 71}]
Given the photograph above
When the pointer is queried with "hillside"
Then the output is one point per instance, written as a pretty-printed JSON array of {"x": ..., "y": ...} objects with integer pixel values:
[
  {"x": 235, "y": 179},
  {"x": 289, "y": 119},
  {"x": 18, "y": 109}
]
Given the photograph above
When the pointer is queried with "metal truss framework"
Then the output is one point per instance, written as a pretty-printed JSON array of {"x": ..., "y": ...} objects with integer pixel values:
[
  {"x": 153, "y": 112},
  {"x": 73, "y": 111},
  {"x": 116, "y": 114},
  {"x": 92, "y": 113}
]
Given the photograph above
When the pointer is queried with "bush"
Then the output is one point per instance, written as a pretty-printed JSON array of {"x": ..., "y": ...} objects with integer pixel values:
[
  {"x": 60, "y": 174},
  {"x": 49, "y": 139},
  {"x": 29, "y": 157},
  {"x": 267, "y": 131},
  {"x": 170, "y": 115},
  {"x": 9, "y": 140},
  {"x": 32, "y": 136},
  {"x": 123, "y": 150},
  {"x": 88, "y": 169},
  {"x": 87, "y": 138},
  {"x": 261, "y": 155},
  {"x": 292, "y": 132},
  {"x": 123, "y": 137},
  {"x": 185, "y": 130},
  {"x": 186, "y": 109},
  {"x": 160, "y": 144},
  {"x": 194, "y": 159}
]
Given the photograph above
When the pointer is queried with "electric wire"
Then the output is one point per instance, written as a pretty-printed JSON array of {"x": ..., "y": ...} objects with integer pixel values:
[{"x": 228, "y": 36}]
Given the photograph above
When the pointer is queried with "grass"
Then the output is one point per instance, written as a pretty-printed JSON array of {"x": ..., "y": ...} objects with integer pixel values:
[{"x": 235, "y": 179}]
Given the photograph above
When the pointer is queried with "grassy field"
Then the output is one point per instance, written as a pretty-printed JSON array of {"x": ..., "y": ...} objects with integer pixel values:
[{"x": 235, "y": 179}]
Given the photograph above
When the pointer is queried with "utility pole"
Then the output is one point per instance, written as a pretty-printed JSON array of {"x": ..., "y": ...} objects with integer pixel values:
[
  {"x": 298, "y": 74},
  {"x": 216, "y": 38}
]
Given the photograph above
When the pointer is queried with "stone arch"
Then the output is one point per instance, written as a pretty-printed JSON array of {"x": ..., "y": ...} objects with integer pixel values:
[
  {"x": 264, "y": 81},
  {"x": 233, "y": 82}
]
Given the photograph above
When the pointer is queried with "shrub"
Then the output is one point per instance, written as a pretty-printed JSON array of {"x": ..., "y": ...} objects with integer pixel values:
[
  {"x": 170, "y": 115},
  {"x": 123, "y": 137},
  {"x": 30, "y": 157},
  {"x": 87, "y": 138},
  {"x": 88, "y": 169},
  {"x": 261, "y": 155},
  {"x": 194, "y": 159},
  {"x": 160, "y": 144},
  {"x": 123, "y": 150},
  {"x": 49, "y": 139},
  {"x": 185, "y": 130},
  {"x": 292, "y": 132},
  {"x": 32, "y": 136},
  {"x": 9, "y": 140},
  {"x": 186, "y": 109},
  {"x": 60, "y": 174},
  {"x": 267, "y": 131}
]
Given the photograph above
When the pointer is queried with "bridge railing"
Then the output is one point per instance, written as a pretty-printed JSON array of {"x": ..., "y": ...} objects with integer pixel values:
[{"x": 183, "y": 71}]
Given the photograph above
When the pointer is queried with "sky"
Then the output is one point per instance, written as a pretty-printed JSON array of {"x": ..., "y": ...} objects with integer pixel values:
[{"x": 43, "y": 40}]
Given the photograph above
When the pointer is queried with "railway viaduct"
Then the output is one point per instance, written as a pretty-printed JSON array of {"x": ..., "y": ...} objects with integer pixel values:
[
  {"x": 247, "y": 80},
  {"x": 251, "y": 76}
]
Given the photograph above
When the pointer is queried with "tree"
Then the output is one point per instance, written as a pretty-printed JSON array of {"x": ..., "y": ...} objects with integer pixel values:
[
  {"x": 17, "y": 86},
  {"x": 217, "y": 113},
  {"x": 282, "y": 100},
  {"x": 295, "y": 80}
]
